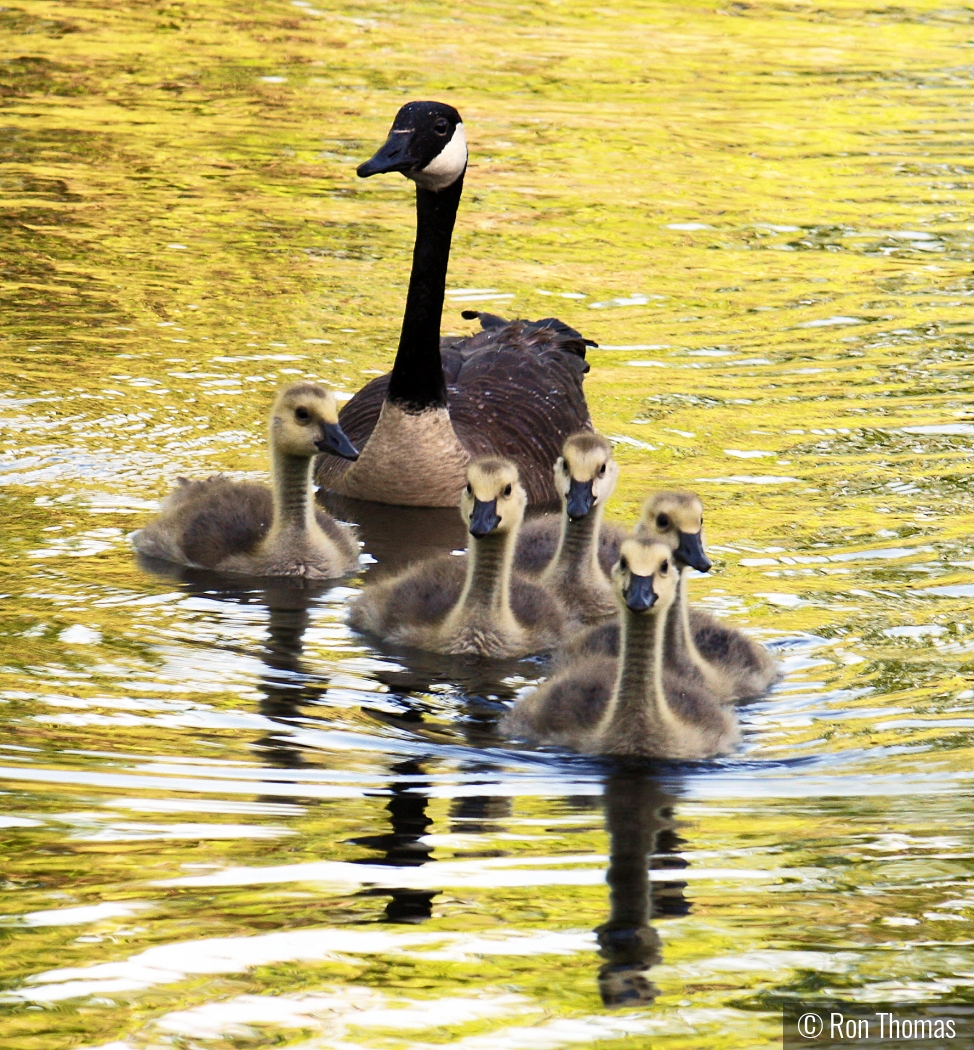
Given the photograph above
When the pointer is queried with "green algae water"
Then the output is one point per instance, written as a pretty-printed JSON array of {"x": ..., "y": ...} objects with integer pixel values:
[{"x": 227, "y": 821}]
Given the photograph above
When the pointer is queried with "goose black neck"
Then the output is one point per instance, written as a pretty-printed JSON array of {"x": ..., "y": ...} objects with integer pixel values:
[{"x": 417, "y": 380}]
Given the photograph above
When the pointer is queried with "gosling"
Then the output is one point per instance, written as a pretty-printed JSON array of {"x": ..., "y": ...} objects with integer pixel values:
[
  {"x": 476, "y": 605},
  {"x": 238, "y": 527},
  {"x": 630, "y": 706},
  {"x": 721, "y": 659},
  {"x": 572, "y": 557},
  {"x": 729, "y": 661}
]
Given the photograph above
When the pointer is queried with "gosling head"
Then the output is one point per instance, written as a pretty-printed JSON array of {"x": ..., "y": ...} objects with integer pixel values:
[
  {"x": 645, "y": 575},
  {"x": 676, "y": 519},
  {"x": 426, "y": 144},
  {"x": 494, "y": 499},
  {"x": 585, "y": 473},
  {"x": 304, "y": 422}
]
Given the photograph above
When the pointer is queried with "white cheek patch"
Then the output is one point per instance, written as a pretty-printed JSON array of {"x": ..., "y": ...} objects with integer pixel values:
[{"x": 447, "y": 166}]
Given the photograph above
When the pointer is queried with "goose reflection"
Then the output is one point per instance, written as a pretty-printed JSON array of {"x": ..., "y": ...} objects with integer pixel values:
[{"x": 642, "y": 836}]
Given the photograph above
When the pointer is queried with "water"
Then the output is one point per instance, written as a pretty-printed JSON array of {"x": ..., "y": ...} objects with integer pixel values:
[{"x": 229, "y": 822}]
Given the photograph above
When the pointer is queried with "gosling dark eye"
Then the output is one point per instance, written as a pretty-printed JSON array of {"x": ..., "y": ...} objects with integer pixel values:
[
  {"x": 442, "y": 126},
  {"x": 469, "y": 489},
  {"x": 623, "y": 564},
  {"x": 508, "y": 490},
  {"x": 602, "y": 471},
  {"x": 662, "y": 521},
  {"x": 302, "y": 415},
  {"x": 664, "y": 568},
  {"x": 565, "y": 467}
]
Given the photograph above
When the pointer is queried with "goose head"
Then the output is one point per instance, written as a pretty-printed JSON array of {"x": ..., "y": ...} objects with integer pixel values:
[
  {"x": 426, "y": 144},
  {"x": 676, "y": 519},
  {"x": 585, "y": 473},
  {"x": 494, "y": 499},
  {"x": 304, "y": 422},
  {"x": 645, "y": 575}
]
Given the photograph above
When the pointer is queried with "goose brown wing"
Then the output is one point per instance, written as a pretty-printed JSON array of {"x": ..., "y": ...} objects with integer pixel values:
[{"x": 518, "y": 394}]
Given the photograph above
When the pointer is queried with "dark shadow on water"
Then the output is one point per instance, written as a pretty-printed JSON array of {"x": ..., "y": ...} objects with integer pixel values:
[
  {"x": 398, "y": 536},
  {"x": 642, "y": 837}
]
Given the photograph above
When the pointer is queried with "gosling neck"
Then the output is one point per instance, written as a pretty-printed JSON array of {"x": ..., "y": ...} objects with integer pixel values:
[
  {"x": 638, "y": 696},
  {"x": 293, "y": 502},
  {"x": 577, "y": 556},
  {"x": 417, "y": 382},
  {"x": 680, "y": 634},
  {"x": 487, "y": 589}
]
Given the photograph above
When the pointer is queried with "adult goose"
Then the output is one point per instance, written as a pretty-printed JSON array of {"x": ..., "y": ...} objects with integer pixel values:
[{"x": 513, "y": 390}]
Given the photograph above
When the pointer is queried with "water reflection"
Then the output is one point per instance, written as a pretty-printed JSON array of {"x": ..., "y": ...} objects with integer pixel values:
[
  {"x": 284, "y": 684},
  {"x": 642, "y": 835},
  {"x": 398, "y": 536},
  {"x": 404, "y": 846}
]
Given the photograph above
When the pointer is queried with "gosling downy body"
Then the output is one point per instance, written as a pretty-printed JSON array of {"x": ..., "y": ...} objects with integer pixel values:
[
  {"x": 475, "y": 605},
  {"x": 513, "y": 390},
  {"x": 238, "y": 527},
  {"x": 630, "y": 706},
  {"x": 573, "y": 555}
]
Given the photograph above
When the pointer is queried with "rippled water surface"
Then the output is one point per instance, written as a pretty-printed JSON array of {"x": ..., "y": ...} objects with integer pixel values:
[{"x": 229, "y": 822}]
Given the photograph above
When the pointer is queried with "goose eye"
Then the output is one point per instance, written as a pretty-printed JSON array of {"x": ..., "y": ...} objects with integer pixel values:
[
  {"x": 442, "y": 126},
  {"x": 662, "y": 521},
  {"x": 565, "y": 467},
  {"x": 469, "y": 489},
  {"x": 508, "y": 490},
  {"x": 623, "y": 563},
  {"x": 302, "y": 415},
  {"x": 602, "y": 471},
  {"x": 664, "y": 568}
]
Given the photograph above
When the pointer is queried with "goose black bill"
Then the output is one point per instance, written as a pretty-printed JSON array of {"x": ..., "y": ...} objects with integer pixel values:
[
  {"x": 640, "y": 595},
  {"x": 580, "y": 499},
  {"x": 690, "y": 552},
  {"x": 393, "y": 155},
  {"x": 484, "y": 519},
  {"x": 335, "y": 441}
]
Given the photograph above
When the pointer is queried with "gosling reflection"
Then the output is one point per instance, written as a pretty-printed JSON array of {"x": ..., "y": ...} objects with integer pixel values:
[
  {"x": 642, "y": 835},
  {"x": 284, "y": 684},
  {"x": 403, "y": 846}
]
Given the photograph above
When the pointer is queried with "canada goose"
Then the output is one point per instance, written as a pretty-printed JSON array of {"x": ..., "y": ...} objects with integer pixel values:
[
  {"x": 721, "y": 659},
  {"x": 630, "y": 705},
  {"x": 513, "y": 390},
  {"x": 475, "y": 605},
  {"x": 731, "y": 663},
  {"x": 232, "y": 526},
  {"x": 572, "y": 555}
]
